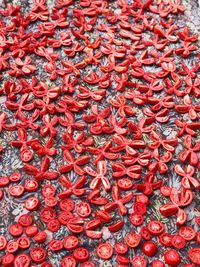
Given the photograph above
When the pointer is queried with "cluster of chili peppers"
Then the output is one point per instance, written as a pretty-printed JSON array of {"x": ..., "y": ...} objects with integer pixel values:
[{"x": 101, "y": 102}]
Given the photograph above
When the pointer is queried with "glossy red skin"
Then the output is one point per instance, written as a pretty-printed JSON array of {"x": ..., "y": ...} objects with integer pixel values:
[
  {"x": 31, "y": 230},
  {"x": 194, "y": 255},
  {"x": 24, "y": 242},
  {"x": 25, "y": 220},
  {"x": 132, "y": 240},
  {"x": 16, "y": 230},
  {"x": 70, "y": 242},
  {"x": 40, "y": 237},
  {"x": 88, "y": 264},
  {"x": 149, "y": 248},
  {"x": 68, "y": 260},
  {"x": 38, "y": 254},
  {"x": 3, "y": 242},
  {"x": 121, "y": 248},
  {"x": 12, "y": 246},
  {"x": 104, "y": 251},
  {"x": 187, "y": 232},
  {"x": 8, "y": 260},
  {"x": 81, "y": 254},
  {"x": 172, "y": 257},
  {"x": 156, "y": 227},
  {"x": 22, "y": 258},
  {"x": 139, "y": 261}
]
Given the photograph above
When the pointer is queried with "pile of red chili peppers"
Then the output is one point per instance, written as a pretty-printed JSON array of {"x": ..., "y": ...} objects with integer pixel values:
[{"x": 113, "y": 75}]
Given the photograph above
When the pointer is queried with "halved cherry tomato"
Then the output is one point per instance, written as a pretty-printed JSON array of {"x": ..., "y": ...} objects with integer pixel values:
[
  {"x": 48, "y": 190},
  {"x": 46, "y": 264},
  {"x": 15, "y": 177},
  {"x": 149, "y": 248},
  {"x": 141, "y": 198},
  {"x": 166, "y": 239},
  {"x": 178, "y": 242},
  {"x": 125, "y": 184},
  {"x": 132, "y": 240},
  {"x": 88, "y": 264},
  {"x": 24, "y": 242},
  {"x": 145, "y": 234},
  {"x": 15, "y": 230},
  {"x": 66, "y": 204},
  {"x": 1, "y": 194},
  {"x": 55, "y": 245},
  {"x": 172, "y": 257},
  {"x": 22, "y": 260},
  {"x": 194, "y": 255},
  {"x": 4, "y": 181},
  {"x": 156, "y": 227},
  {"x": 116, "y": 226},
  {"x": 121, "y": 248},
  {"x": 12, "y": 246},
  {"x": 198, "y": 238},
  {"x": 68, "y": 261},
  {"x": 81, "y": 254},
  {"x": 187, "y": 232},
  {"x": 38, "y": 254},
  {"x": 47, "y": 214},
  {"x": 64, "y": 216},
  {"x": 123, "y": 259},
  {"x": 136, "y": 219},
  {"x": 3, "y": 242},
  {"x": 70, "y": 242},
  {"x": 31, "y": 186},
  {"x": 16, "y": 190},
  {"x": 31, "y": 230},
  {"x": 140, "y": 208},
  {"x": 26, "y": 155},
  {"x": 104, "y": 251},
  {"x": 25, "y": 220},
  {"x": 157, "y": 263},
  {"x": 165, "y": 191},
  {"x": 32, "y": 203},
  {"x": 8, "y": 260},
  {"x": 139, "y": 261},
  {"x": 53, "y": 225},
  {"x": 50, "y": 201},
  {"x": 40, "y": 237},
  {"x": 83, "y": 209}
]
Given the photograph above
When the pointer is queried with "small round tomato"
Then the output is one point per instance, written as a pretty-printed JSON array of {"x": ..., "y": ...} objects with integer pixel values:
[
  {"x": 68, "y": 261},
  {"x": 136, "y": 219},
  {"x": 140, "y": 208},
  {"x": 149, "y": 248},
  {"x": 123, "y": 259},
  {"x": 104, "y": 251},
  {"x": 198, "y": 238},
  {"x": 172, "y": 257},
  {"x": 26, "y": 155},
  {"x": 165, "y": 191},
  {"x": 24, "y": 242},
  {"x": 46, "y": 264},
  {"x": 81, "y": 254},
  {"x": 66, "y": 204},
  {"x": 15, "y": 230},
  {"x": 8, "y": 260},
  {"x": 139, "y": 261},
  {"x": 178, "y": 242},
  {"x": 48, "y": 191},
  {"x": 31, "y": 186},
  {"x": 32, "y": 203},
  {"x": 40, "y": 237},
  {"x": 55, "y": 245},
  {"x": 83, "y": 209},
  {"x": 50, "y": 201},
  {"x": 22, "y": 260},
  {"x": 53, "y": 225},
  {"x": 25, "y": 220},
  {"x": 12, "y": 246},
  {"x": 3, "y": 242},
  {"x": 4, "y": 181},
  {"x": 70, "y": 242},
  {"x": 194, "y": 255},
  {"x": 166, "y": 239},
  {"x": 156, "y": 227},
  {"x": 1, "y": 194},
  {"x": 132, "y": 240},
  {"x": 47, "y": 214},
  {"x": 31, "y": 230},
  {"x": 187, "y": 233},
  {"x": 64, "y": 216},
  {"x": 38, "y": 254},
  {"x": 121, "y": 248},
  {"x": 125, "y": 184},
  {"x": 15, "y": 177},
  {"x": 88, "y": 264},
  {"x": 197, "y": 220},
  {"x": 16, "y": 190},
  {"x": 145, "y": 234},
  {"x": 157, "y": 263}
]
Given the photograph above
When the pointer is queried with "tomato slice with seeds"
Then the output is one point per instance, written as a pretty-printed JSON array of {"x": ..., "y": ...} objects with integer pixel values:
[
  {"x": 178, "y": 242},
  {"x": 3, "y": 242},
  {"x": 88, "y": 264},
  {"x": 145, "y": 234},
  {"x": 165, "y": 191},
  {"x": 26, "y": 155},
  {"x": 104, "y": 251},
  {"x": 16, "y": 190},
  {"x": 140, "y": 208},
  {"x": 22, "y": 260},
  {"x": 70, "y": 242},
  {"x": 31, "y": 186},
  {"x": 50, "y": 201},
  {"x": 66, "y": 204},
  {"x": 194, "y": 255},
  {"x": 15, "y": 177},
  {"x": 15, "y": 230},
  {"x": 8, "y": 260},
  {"x": 139, "y": 261},
  {"x": 47, "y": 214},
  {"x": 121, "y": 248},
  {"x": 64, "y": 216},
  {"x": 166, "y": 239},
  {"x": 4, "y": 181},
  {"x": 187, "y": 232},
  {"x": 68, "y": 261},
  {"x": 1, "y": 194},
  {"x": 38, "y": 254},
  {"x": 48, "y": 191},
  {"x": 81, "y": 254},
  {"x": 83, "y": 209},
  {"x": 24, "y": 242},
  {"x": 40, "y": 237},
  {"x": 31, "y": 230},
  {"x": 156, "y": 227},
  {"x": 132, "y": 240},
  {"x": 55, "y": 245},
  {"x": 125, "y": 184},
  {"x": 32, "y": 203},
  {"x": 12, "y": 246},
  {"x": 136, "y": 219},
  {"x": 25, "y": 220},
  {"x": 53, "y": 225}
]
